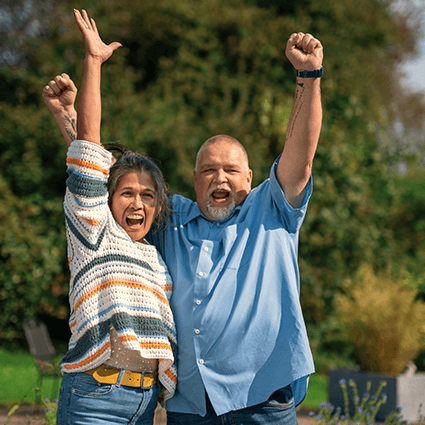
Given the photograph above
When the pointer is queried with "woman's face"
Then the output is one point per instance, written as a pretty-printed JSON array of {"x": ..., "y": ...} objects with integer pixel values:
[{"x": 134, "y": 204}]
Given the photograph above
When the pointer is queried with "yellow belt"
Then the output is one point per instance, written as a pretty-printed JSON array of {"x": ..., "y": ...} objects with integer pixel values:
[{"x": 109, "y": 375}]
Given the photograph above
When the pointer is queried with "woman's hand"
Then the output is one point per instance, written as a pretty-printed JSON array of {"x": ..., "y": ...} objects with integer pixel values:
[
  {"x": 95, "y": 47},
  {"x": 59, "y": 94}
]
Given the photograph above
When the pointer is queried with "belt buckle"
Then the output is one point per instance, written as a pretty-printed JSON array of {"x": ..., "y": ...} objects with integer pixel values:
[{"x": 142, "y": 382}]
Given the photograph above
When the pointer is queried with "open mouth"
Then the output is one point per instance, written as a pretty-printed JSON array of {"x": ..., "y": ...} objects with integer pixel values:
[
  {"x": 220, "y": 195},
  {"x": 134, "y": 220}
]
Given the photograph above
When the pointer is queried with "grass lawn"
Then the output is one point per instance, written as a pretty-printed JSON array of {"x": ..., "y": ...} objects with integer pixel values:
[
  {"x": 317, "y": 392},
  {"x": 19, "y": 378}
]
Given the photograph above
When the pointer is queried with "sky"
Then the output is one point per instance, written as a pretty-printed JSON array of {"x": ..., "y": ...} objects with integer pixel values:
[{"x": 415, "y": 71}]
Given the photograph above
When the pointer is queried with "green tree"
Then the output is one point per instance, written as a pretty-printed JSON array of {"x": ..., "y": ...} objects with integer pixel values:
[{"x": 188, "y": 70}]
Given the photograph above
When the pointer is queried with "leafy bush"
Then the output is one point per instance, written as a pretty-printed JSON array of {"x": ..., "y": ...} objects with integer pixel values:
[
  {"x": 384, "y": 321},
  {"x": 330, "y": 347},
  {"x": 32, "y": 250}
]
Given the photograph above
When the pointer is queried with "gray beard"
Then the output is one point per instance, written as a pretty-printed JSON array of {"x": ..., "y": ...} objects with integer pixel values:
[{"x": 221, "y": 213}]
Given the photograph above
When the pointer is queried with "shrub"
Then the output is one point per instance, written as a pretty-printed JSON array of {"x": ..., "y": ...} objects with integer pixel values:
[
  {"x": 383, "y": 320},
  {"x": 366, "y": 408}
]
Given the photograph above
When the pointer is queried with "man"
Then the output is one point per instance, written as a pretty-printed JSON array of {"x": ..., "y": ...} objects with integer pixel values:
[{"x": 244, "y": 355}]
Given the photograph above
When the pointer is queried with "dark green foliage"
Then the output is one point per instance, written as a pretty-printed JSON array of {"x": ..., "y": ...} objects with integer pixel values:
[
  {"x": 409, "y": 223},
  {"x": 189, "y": 70}
]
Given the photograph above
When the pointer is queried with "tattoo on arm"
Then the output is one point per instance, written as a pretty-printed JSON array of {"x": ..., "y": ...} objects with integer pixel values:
[
  {"x": 70, "y": 127},
  {"x": 296, "y": 109}
]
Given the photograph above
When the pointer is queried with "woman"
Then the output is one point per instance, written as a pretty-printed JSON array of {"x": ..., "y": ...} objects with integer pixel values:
[{"x": 123, "y": 334}]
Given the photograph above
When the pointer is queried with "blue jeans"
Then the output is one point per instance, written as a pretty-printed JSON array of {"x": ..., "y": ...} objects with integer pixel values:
[
  {"x": 84, "y": 401},
  {"x": 279, "y": 409}
]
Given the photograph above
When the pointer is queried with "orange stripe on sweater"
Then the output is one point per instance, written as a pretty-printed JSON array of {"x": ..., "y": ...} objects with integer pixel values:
[
  {"x": 89, "y": 359},
  {"x": 171, "y": 375},
  {"x": 109, "y": 283},
  {"x": 92, "y": 221},
  {"x": 86, "y": 164},
  {"x": 157, "y": 345},
  {"x": 148, "y": 345}
]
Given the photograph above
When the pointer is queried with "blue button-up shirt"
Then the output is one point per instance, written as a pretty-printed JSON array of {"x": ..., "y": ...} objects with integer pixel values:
[{"x": 240, "y": 330}]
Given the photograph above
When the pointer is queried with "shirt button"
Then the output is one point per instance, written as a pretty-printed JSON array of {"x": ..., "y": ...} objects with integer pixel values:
[
  {"x": 201, "y": 361},
  {"x": 197, "y": 331},
  {"x": 201, "y": 274},
  {"x": 206, "y": 249},
  {"x": 198, "y": 302}
]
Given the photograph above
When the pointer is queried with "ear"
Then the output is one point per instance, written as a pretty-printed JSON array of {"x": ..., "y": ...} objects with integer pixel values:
[
  {"x": 249, "y": 176},
  {"x": 195, "y": 177},
  {"x": 158, "y": 208}
]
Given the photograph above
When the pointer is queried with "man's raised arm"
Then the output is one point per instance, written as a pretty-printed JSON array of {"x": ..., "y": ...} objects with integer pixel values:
[{"x": 294, "y": 169}]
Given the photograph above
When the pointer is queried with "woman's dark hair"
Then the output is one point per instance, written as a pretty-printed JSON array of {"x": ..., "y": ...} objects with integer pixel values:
[{"x": 127, "y": 161}]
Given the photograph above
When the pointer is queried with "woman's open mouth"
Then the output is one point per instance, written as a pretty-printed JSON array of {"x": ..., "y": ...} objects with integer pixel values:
[{"x": 134, "y": 220}]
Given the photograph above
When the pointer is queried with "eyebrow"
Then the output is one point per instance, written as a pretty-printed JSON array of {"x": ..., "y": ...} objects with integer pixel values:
[
  {"x": 213, "y": 164},
  {"x": 132, "y": 188}
]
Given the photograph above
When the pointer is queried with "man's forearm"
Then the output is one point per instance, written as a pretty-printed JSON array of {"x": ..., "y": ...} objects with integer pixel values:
[
  {"x": 301, "y": 140},
  {"x": 306, "y": 117},
  {"x": 306, "y": 121}
]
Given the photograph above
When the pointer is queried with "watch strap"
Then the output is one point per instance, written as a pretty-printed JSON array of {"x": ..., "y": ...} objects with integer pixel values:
[{"x": 310, "y": 74}]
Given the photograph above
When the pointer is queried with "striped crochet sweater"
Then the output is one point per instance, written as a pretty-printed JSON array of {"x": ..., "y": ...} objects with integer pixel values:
[{"x": 113, "y": 279}]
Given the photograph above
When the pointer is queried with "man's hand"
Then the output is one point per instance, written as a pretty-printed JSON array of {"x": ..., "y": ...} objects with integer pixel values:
[
  {"x": 304, "y": 51},
  {"x": 95, "y": 47},
  {"x": 59, "y": 95}
]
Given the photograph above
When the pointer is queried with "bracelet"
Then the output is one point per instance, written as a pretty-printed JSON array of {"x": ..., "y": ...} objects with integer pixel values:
[{"x": 310, "y": 74}]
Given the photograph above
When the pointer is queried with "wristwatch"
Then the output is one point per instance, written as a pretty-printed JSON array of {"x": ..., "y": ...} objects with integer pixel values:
[{"x": 310, "y": 74}]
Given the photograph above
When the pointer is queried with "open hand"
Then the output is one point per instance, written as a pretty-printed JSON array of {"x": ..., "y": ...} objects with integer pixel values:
[
  {"x": 59, "y": 94},
  {"x": 304, "y": 51},
  {"x": 95, "y": 47}
]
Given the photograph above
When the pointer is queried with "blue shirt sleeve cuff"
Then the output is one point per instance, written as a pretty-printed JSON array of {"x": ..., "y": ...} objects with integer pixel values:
[{"x": 279, "y": 195}]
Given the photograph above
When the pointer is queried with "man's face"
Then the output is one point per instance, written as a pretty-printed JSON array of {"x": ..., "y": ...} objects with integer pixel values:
[
  {"x": 222, "y": 179},
  {"x": 134, "y": 204}
]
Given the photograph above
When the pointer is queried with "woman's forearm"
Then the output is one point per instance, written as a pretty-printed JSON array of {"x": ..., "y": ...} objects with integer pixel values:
[
  {"x": 89, "y": 108},
  {"x": 67, "y": 123}
]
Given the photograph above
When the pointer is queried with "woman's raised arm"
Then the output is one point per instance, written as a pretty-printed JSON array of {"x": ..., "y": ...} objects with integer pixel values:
[{"x": 89, "y": 108}]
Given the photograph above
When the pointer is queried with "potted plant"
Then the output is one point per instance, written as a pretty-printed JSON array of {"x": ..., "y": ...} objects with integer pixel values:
[{"x": 386, "y": 324}]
